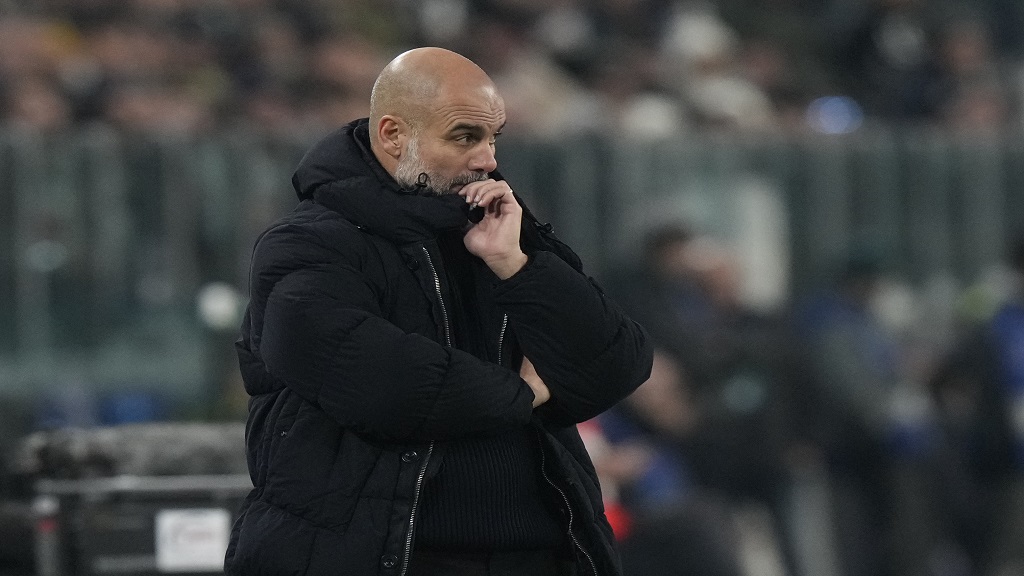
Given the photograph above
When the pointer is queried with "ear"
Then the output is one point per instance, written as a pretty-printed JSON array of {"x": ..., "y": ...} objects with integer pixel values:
[{"x": 392, "y": 133}]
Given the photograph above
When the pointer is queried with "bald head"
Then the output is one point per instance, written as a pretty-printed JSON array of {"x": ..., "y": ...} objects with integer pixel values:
[{"x": 411, "y": 84}]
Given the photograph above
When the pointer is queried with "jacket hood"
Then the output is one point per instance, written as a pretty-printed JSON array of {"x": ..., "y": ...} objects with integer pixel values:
[
  {"x": 341, "y": 173},
  {"x": 341, "y": 155}
]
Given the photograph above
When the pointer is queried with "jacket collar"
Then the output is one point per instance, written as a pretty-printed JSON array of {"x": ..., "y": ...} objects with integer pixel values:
[{"x": 341, "y": 173}]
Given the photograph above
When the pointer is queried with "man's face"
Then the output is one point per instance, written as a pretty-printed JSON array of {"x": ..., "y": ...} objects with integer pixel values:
[{"x": 455, "y": 145}]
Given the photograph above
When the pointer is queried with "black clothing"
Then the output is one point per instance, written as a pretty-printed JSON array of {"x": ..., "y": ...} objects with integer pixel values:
[
  {"x": 529, "y": 563},
  {"x": 480, "y": 476},
  {"x": 382, "y": 357}
]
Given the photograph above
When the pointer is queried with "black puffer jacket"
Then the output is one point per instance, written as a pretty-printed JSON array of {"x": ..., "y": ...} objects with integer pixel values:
[{"x": 346, "y": 352}]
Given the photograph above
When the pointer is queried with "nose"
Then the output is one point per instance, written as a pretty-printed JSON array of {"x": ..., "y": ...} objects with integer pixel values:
[{"x": 483, "y": 158}]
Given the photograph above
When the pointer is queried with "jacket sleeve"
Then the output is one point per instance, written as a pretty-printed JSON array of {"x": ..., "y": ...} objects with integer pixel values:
[
  {"x": 323, "y": 336},
  {"x": 587, "y": 351}
]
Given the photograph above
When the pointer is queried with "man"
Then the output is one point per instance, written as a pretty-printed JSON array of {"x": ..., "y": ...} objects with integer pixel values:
[{"x": 416, "y": 376}]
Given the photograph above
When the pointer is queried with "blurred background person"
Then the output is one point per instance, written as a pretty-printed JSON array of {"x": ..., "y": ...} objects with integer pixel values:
[
  {"x": 977, "y": 492},
  {"x": 742, "y": 369},
  {"x": 854, "y": 366},
  {"x": 667, "y": 522}
]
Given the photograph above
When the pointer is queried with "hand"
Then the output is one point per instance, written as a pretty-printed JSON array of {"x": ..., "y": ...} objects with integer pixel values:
[
  {"x": 495, "y": 239},
  {"x": 527, "y": 372}
]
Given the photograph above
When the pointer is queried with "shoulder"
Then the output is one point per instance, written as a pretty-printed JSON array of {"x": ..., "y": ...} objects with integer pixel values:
[
  {"x": 308, "y": 234},
  {"x": 321, "y": 246}
]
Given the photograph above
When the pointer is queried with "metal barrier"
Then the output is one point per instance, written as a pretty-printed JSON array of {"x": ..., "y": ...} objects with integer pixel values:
[
  {"x": 105, "y": 239},
  {"x": 135, "y": 524},
  {"x": 134, "y": 499}
]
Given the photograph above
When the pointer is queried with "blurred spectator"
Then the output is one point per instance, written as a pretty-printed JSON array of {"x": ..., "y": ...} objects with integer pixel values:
[
  {"x": 348, "y": 64},
  {"x": 978, "y": 495},
  {"x": 541, "y": 98},
  {"x": 971, "y": 464},
  {"x": 855, "y": 356},
  {"x": 640, "y": 459},
  {"x": 702, "y": 53},
  {"x": 666, "y": 523},
  {"x": 973, "y": 89},
  {"x": 272, "y": 112},
  {"x": 742, "y": 366},
  {"x": 37, "y": 104},
  {"x": 635, "y": 101},
  {"x": 156, "y": 109},
  {"x": 889, "y": 58},
  {"x": 870, "y": 427}
]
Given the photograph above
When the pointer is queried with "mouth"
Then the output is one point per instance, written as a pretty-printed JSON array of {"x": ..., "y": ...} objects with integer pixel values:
[{"x": 462, "y": 181}]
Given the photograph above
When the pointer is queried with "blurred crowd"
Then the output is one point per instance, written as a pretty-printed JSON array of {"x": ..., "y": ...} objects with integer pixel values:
[
  {"x": 821, "y": 437},
  {"x": 639, "y": 67}
]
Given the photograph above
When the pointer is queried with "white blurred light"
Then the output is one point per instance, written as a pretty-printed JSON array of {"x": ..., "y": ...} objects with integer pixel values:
[{"x": 219, "y": 306}]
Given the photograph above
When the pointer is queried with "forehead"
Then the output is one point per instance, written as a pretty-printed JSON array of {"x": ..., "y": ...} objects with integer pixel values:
[{"x": 457, "y": 106}]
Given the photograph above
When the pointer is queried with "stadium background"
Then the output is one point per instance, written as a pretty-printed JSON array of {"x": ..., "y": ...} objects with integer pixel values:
[{"x": 144, "y": 144}]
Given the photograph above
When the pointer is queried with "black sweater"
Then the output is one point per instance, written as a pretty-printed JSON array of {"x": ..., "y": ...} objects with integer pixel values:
[{"x": 489, "y": 493}]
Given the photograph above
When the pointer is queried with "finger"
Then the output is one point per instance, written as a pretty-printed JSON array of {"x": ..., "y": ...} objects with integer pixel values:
[
  {"x": 474, "y": 193},
  {"x": 492, "y": 199},
  {"x": 482, "y": 197},
  {"x": 504, "y": 201},
  {"x": 471, "y": 190},
  {"x": 488, "y": 196}
]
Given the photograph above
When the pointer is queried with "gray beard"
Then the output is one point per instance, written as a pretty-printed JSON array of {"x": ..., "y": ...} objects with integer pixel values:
[{"x": 411, "y": 173}]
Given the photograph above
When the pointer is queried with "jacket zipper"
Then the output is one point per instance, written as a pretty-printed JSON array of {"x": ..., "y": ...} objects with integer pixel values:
[
  {"x": 501, "y": 336},
  {"x": 430, "y": 450},
  {"x": 415, "y": 505},
  {"x": 568, "y": 507},
  {"x": 437, "y": 288}
]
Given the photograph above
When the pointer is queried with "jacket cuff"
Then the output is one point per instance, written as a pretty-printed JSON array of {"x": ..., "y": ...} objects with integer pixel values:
[{"x": 498, "y": 282}]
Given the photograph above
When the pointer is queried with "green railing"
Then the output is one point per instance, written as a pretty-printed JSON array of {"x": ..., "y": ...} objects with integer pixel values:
[{"x": 106, "y": 241}]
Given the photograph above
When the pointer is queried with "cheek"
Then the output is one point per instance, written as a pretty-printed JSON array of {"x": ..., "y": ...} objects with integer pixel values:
[{"x": 444, "y": 162}]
